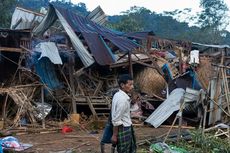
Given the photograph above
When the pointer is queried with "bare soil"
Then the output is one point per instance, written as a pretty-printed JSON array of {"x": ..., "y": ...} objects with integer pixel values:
[{"x": 81, "y": 141}]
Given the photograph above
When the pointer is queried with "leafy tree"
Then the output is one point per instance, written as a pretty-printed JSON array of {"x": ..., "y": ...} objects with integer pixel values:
[
  {"x": 36, "y": 5},
  {"x": 6, "y": 7},
  {"x": 132, "y": 20},
  {"x": 126, "y": 24},
  {"x": 214, "y": 14},
  {"x": 213, "y": 19}
]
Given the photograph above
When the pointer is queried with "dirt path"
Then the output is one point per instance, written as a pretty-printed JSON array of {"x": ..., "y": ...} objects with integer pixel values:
[{"x": 80, "y": 141}]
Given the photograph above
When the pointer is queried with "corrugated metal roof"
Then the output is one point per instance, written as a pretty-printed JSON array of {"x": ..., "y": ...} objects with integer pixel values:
[
  {"x": 210, "y": 45},
  {"x": 24, "y": 19},
  {"x": 98, "y": 16},
  {"x": 171, "y": 104},
  {"x": 94, "y": 34},
  {"x": 84, "y": 25},
  {"x": 100, "y": 50}
]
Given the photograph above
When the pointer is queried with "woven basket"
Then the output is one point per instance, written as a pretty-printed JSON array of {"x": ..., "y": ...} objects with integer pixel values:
[
  {"x": 205, "y": 71},
  {"x": 149, "y": 81}
]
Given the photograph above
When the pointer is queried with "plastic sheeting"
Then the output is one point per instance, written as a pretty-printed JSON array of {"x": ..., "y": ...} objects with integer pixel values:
[
  {"x": 46, "y": 71},
  {"x": 49, "y": 19},
  {"x": 94, "y": 34},
  {"x": 194, "y": 57},
  {"x": 49, "y": 49}
]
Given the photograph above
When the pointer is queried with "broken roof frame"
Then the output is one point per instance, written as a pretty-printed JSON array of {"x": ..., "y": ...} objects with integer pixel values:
[
  {"x": 24, "y": 19},
  {"x": 94, "y": 34}
]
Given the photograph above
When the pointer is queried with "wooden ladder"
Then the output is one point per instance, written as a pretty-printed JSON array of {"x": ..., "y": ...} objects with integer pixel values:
[{"x": 99, "y": 105}]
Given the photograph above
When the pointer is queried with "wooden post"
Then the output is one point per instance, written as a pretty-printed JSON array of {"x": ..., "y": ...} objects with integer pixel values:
[
  {"x": 180, "y": 119},
  {"x": 204, "y": 119},
  {"x": 180, "y": 62},
  {"x": 130, "y": 64},
  {"x": 227, "y": 88},
  {"x": 149, "y": 42},
  {"x": 217, "y": 91},
  {"x": 4, "y": 109},
  {"x": 43, "y": 109},
  {"x": 71, "y": 71},
  {"x": 91, "y": 107},
  {"x": 174, "y": 121}
]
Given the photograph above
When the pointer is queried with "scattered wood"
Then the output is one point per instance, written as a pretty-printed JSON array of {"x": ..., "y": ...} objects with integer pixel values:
[
  {"x": 11, "y": 49},
  {"x": 176, "y": 126},
  {"x": 78, "y": 136}
]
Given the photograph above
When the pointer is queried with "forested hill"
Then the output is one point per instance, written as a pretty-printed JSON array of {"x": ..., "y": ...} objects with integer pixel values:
[{"x": 141, "y": 19}]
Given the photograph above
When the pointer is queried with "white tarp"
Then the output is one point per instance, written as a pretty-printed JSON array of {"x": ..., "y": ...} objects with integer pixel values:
[
  {"x": 52, "y": 15},
  {"x": 171, "y": 104},
  {"x": 49, "y": 49},
  {"x": 24, "y": 19},
  {"x": 194, "y": 57}
]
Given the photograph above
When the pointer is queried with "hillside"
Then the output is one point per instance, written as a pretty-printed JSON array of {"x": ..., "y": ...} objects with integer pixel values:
[{"x": 135, "y": 19}]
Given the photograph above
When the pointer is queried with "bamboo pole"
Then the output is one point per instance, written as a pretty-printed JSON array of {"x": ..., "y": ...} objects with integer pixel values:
[
  {"x": 174, "y": 121},
  {"x": 71, "y": 78},
  {"x": 43, "y": 109},
  {"x": 180, "y": 121},
  {"x": 204, "y": 120},
  {"x": 130, "y": 64}
]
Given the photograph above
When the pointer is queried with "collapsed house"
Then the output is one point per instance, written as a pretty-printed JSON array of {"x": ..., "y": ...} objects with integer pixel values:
[{"x": 62, "y": 63}]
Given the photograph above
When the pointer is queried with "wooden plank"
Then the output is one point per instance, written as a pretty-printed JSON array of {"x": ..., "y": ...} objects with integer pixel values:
[
  {"x": 43, "y": 108},
  {"x": 125, "y": 63},
  {"x": 71, "y": 79},
  {"x": 226, "y": 88},
  {"x": 175, "y": 126},
  {"x": 154, "y": 63},
  {"x": 26, "y": 49},
  {"x": 98, "y": 88},
  {"x": 11, "y": 49},
  {"x": 91, "y": 107},
  {"x": 217, "y": 92},
  {"x": 29, "y": 11},
  {"x": 130, "y": 64},
  {"x": 93, "y": 100}
]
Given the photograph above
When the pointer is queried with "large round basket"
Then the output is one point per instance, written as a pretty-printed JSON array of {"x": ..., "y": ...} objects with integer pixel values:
[{"x": 149, "y": 81}]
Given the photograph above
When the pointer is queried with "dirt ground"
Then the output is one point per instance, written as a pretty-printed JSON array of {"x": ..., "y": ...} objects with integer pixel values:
[{"x": 79, "y": 140}]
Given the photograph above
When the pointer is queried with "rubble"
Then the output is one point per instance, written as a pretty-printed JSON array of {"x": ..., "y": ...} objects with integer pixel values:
[{"x": 73, "y": 67}]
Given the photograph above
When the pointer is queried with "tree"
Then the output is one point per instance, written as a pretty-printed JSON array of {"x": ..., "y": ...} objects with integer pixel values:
[
  {"x": 132, "y": 20},
  {"x": 6, "y": 7},
  {"x": 213, "y": 18},
  {"x": 214, "y": 14}
]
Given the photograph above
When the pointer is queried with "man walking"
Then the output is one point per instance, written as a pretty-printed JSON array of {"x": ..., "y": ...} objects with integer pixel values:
[{"x": 123, "y": 134}]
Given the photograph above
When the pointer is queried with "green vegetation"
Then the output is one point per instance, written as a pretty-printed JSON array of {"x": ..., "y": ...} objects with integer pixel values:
[
  {"x": 206, "y": 144},
  {"x": 6, "y": 7},
  {"x": 209, "y": 26},
  {"x": 199, "y": 144},
  {"x": 210, "y": 23}
]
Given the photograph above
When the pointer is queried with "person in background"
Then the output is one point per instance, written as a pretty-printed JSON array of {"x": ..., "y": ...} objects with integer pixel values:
[
  {"x": 140, "y": 108},
  {"x": 123, "y": 135},
  {"x": 108, "y": 130},
  {"x": 136, "y": 111},
  {"x": 106, "y": 138}
]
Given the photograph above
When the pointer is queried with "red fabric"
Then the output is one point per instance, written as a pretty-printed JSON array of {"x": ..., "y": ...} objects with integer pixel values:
[{"x": 66, "y": 129}]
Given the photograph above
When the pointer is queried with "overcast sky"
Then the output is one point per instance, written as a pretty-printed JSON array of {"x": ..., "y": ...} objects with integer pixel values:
[{"x": 116, "y": 7}]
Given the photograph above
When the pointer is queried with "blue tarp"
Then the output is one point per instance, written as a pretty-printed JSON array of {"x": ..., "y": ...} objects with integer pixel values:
[{"x": 46, "y": 71}]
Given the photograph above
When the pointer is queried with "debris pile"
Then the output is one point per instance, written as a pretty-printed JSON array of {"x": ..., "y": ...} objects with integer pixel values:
[{"x": 72, "y": 62}]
